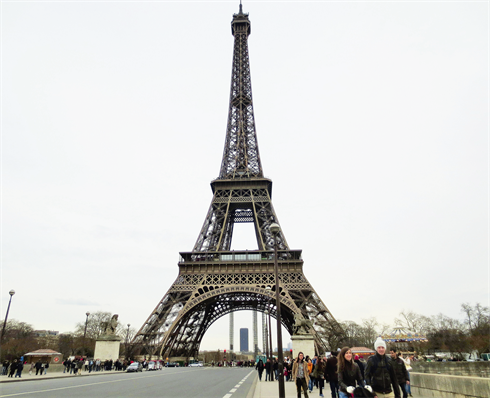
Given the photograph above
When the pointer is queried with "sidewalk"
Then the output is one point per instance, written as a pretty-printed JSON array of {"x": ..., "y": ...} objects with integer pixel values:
[
  {"x": 54, "y": 375},
  {"x": 270, "y": 389}
]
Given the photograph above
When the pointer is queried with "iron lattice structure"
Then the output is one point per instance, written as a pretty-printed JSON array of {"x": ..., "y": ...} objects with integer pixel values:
[{"x": 214, "y": 281}]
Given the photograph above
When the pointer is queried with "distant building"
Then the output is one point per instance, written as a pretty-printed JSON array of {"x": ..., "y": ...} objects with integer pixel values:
[{"x": 244, "y": 340}]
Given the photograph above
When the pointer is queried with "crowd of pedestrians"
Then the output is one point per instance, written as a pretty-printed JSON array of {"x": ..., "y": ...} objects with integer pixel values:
[
  {"x": 348, "y": 376},
  {"x": 76, "y": 365}
]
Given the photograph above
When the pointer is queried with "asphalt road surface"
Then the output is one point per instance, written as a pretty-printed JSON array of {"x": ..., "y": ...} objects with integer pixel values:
[{"x": 168, "y": 383}]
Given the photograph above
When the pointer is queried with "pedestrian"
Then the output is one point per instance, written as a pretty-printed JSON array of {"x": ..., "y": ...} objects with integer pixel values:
[
  {"x": 73, "y": 366},
  {"x": 310, "y": 370},
  {"x": 360, "y": 364},
  {"x": 319, "y": 373},
  {"x": 268, "y": 370},
  {"x": 13, "y": 368},
  {"x": 5, "y": 366},
  {"x": 380, "y": 374},
  {"x": 349, "y": 374},
  {"x": 20, "y": 367},
  {"x": 400, "y": 371},
  {"x": 79, "y": 366},
  {"x": 275, "y": 367},
  {"x": 332, "y": 376},
  {"x": 409, "y": 369},
  {"x": 46, "y": 366},
  {"x": 38, "y": 366},
  {"x": 31, "y": 368},
  {"x": 301, "y": 376},
  {"x": 260, "y": 368}
]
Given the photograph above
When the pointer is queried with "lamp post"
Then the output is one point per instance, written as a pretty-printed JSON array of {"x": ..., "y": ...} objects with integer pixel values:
[
  {"x": 85, "y": 332},
  {"x": 267, "y": 334},
  {"x": 127, "y": 338},
  {"x": 268, "y": 288},
  {"x": 12, "y": 292},
  {"x": 275, "y": 229}
]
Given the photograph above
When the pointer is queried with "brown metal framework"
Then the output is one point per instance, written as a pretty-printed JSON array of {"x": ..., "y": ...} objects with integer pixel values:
[{"x": 214, "y": 281}]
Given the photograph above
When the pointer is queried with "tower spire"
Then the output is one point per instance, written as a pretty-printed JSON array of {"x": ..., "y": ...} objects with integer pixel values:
[{"x": 241, "y": 153}]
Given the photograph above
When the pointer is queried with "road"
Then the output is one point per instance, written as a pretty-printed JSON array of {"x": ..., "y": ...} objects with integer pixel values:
[{"x": 167, "y": 383}]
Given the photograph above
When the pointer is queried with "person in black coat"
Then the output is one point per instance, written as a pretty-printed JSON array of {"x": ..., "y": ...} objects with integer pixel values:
[
  {"x": 260, "y": 368},
  {"x": 360, "y": 364},
  {"x": 268, "y": 370},
  {"x": 13, "y": 368}
]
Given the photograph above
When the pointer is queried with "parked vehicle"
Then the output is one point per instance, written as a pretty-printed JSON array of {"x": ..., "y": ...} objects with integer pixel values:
[
  {"x": 196, "y": 364},
  {"x": 154, "y": 365},
  {"x": 172, "y": 365},
  {"x": 135, "y": 367}
]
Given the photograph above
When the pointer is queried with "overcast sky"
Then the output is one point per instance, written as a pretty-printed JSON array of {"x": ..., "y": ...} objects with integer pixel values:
[{"x": 372, "y": 120}]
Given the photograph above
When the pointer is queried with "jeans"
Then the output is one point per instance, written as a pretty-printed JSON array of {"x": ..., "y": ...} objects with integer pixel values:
[
  {"x": 310, "y": 384},
  {"x": 407, "y": 387},
  {"x": 343, "y": 395},
  {"x": 334, "y": 388}
]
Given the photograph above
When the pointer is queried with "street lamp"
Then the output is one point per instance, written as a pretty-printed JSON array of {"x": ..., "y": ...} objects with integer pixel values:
[
  {"x": 127, "y": 337},
  {"x": 276, "y": 229},
  {"x": 268, "y": 288},
  {"x": 12, "y": 292},
  {"x": 85, "y": 333}
]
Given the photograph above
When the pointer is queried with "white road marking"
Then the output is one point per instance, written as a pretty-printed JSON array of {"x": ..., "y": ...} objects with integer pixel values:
[{"x": 237, "y": 386}]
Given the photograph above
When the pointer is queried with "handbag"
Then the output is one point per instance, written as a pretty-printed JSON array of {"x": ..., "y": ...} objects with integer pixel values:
[{"x": 361, "y": 392}]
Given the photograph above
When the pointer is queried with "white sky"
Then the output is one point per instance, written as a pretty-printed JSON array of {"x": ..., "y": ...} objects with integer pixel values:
[{"x": 372, "y": 120}]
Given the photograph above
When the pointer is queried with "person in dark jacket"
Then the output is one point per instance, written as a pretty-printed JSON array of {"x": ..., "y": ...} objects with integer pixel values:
[
  {"x": 401, "y": 372},
  {"x": 20, "y": 367},
  {"x": 349, "y": 374},
  {"x": 260, "y": 368},
  {"x": 319, "y": 373},
  {"x": 380, "y": 374},
  {"x": 268, "y": 370},
  {"x": 13, "y": 368},
  {"x": 39, "y": 366},
  {"x": 360, "y": 364},
  {"x": 331, "y": 372}
]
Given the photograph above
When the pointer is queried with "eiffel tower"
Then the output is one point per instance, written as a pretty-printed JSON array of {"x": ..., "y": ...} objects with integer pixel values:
[{"x": 214, "y": 281}]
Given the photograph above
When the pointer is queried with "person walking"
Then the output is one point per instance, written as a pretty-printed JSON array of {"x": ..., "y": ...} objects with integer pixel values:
[
  {"x": 260, "y": 368},
  {"x": 401, "y": 372},
  {"x": 20, "y": 367},
  {"x": 38, "y": 366},
  {"x": 79, "y": 366},
  {"x": 409, "y": 369},
  {"x": 319, "y": 373},
  {"x": 310, "y": 370},
  {"x": 31, "y": 369},
  {"x": 349, "y": 374},
  {"x": 46, "y": 366},
  {"x": 13, "y": 368},
  {"x": 268, "y": 370},
  {"x": 5, "y": 366},
  {"x": 360, "y": 364},
  {"x": 300, "y": 375},
  {"x": 332, "y": 376},
  {"x": 380, "y": 374}
]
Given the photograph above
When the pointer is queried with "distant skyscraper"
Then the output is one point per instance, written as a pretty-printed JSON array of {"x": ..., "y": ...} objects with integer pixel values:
[{"x": 244, "y": 340}]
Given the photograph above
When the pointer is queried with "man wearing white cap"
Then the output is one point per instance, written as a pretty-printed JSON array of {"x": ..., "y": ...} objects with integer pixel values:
[{"x": 380, "y": 374}]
